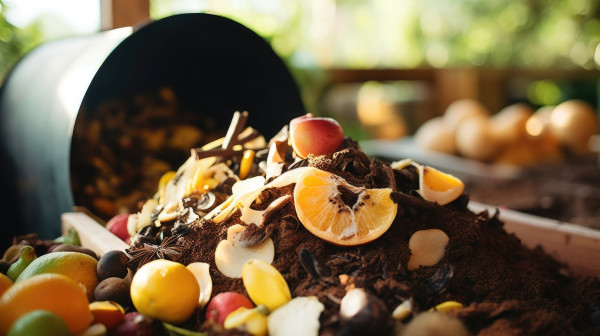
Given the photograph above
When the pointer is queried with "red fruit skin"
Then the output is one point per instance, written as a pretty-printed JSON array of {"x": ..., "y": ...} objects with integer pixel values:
[
  {"x": 315, "y": 135},
  {"x": 118, "y": 226},
  {"x": 223, "y": 304},
  {"x": 133, "y": 324}
]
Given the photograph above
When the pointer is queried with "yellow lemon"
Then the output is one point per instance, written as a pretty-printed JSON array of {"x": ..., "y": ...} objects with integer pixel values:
[
  {"x": 5, "y": 283},
  {"x": 77, "y": 266},
  {"x": 53, "y": 292},
  {"x": 165, "y": 290}
]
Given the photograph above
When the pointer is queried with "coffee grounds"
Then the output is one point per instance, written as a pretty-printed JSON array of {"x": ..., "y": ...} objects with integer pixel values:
[{"x": 506, "y": 288}]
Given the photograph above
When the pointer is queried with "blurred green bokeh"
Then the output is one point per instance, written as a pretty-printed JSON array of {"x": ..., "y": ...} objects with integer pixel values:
[
  {"x": 417, "y": 33},
  {"x": 393, "y": 34},
  {"x": 313, "y": 35},
  {"x": 15, "y": 42}
]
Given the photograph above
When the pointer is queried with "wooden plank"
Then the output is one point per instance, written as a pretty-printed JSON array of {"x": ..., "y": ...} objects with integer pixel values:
[
  {"x": 92, "y": 234},
  {"x": 574, "y": 245},
  {"x": 123, "y": 13},
  {"x": 343, "y": 75}
]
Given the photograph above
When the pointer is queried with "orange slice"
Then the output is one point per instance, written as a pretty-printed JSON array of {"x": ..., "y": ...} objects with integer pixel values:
[
  {"x": 340, "y": 213},
  {"x": 437, "y": 186}
]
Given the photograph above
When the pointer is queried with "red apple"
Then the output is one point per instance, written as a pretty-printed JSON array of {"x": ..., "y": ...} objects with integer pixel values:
[
  {"x": 224, "y": 303},
  {"x": 118, "y": 226},
  {"x": 315, "y": 135}
]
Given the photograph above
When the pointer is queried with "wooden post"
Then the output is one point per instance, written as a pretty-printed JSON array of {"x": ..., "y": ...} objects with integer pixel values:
[
  {"x": 123, "y": 13},
  {"x": 454, "y": 84}
]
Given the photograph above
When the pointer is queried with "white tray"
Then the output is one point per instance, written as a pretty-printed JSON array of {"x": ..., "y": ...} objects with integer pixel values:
[{"x": 574, "y": 245}]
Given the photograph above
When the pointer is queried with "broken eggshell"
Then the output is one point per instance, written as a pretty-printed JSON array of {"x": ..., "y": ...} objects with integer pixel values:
[{"x": 300, "y": 317}]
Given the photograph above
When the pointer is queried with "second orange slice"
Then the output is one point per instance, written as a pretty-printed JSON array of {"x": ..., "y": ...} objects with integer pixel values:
[{"x": 340, "y": 213}]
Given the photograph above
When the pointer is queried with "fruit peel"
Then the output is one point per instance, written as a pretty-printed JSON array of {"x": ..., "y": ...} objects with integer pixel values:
[
  {"x": 108, "y": 313},
  {"x": 265, "y": 285},
  {"x": 250, "y": 320}
]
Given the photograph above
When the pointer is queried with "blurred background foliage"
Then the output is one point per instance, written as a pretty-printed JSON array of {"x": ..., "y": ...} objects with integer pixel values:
[
  {"x": 15, "y": 41},
  {"x": 384, "y": 33},
  {"x": 416, "y": 33},
  {"x": 313, "y": 36}
]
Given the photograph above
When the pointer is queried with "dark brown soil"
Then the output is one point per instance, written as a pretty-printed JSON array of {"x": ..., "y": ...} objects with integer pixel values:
[{"x": 506, "y": 289}]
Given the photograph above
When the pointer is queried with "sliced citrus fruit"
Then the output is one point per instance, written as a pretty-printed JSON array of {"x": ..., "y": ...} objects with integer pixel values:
[
  {"x": 341, "y": 213},
  {"x": 437, "y": 186}
]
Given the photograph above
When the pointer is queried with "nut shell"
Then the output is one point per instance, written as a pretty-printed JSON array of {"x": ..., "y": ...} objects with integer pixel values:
[
  {"x": 113, "y": 289},
  {"x": 112, "y": 264}
]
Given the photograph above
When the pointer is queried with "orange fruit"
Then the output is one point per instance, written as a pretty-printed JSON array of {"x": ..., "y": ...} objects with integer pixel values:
[
  {"x": 5, "y": 283},
  {"x": 165, "y": 290},
  {"x": 108, "y": 313},
  {"x": 340, "y": 213},
  {"x": 53, "y": 292},
  {"x": 437, "y": 186}
]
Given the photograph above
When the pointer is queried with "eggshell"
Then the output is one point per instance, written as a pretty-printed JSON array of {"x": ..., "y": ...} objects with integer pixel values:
[
  {"x": 509, "y": 124},
  {"x": 573, "y": 123},
  {"x": 475, "y": 140},
  {"x": 538, "y": 123},
  {"x": 435, "y": 135},
  {"x": 463, "y": 109}
]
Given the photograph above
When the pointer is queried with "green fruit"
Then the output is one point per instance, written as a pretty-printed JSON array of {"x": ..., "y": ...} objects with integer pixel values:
[
  {"x": 71, "y": 238},
  {"x": 26, "y": 257},
  {"x": 39, "y": 323},
  {"x": 77, "y": 266}
]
